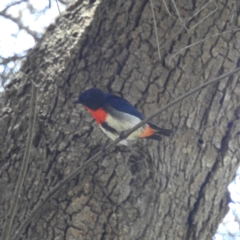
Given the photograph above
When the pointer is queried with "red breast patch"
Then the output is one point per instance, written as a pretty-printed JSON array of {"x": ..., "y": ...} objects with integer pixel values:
[{"x": 100, "y": 115}]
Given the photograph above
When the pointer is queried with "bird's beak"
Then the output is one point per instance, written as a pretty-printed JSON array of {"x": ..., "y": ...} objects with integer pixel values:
[{"x": 77, "y": 101}]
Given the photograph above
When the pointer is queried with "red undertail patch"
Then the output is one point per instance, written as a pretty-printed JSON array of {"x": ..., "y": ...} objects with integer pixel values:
[
  {"x": 99, "y": 115},
  {"x": 148, "y": 131}
]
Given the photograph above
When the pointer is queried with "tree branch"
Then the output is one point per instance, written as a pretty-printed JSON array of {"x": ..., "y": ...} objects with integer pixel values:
[
  {"x": 155, "y": 27},
  {"x": 4, "y": 61},
  {"x": 14, "y": 203},
  {"x": 20, "y": 25},
  {"x": 13, "y": 4},
  {"x": 86, "y": 164}
]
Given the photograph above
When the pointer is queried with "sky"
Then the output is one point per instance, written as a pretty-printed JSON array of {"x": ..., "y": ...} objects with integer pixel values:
[
  {"x": 14, "y": 41},
  {"x": 10, "y": 44}
]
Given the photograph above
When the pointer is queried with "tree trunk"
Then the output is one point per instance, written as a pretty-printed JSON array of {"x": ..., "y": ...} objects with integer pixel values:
[{"x": 173, "y": 189}]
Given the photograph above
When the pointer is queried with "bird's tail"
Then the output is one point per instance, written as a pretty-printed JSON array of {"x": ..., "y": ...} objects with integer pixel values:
[
  {"x": 153, "y": 132},
  {"x": 159, "y": 131},
  {"x": 162, "y": 131}
]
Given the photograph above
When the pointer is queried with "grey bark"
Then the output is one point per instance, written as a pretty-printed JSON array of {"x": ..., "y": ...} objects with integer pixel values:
[{"x": 173, "y": 189}]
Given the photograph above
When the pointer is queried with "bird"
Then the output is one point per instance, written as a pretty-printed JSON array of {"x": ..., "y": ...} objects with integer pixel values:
[{"x": 115, "y": 115}]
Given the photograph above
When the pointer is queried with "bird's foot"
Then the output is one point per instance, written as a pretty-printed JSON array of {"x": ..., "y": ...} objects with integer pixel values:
[
  {"x": 122, "y": 134},
  {"x": 103, "y": 148}
]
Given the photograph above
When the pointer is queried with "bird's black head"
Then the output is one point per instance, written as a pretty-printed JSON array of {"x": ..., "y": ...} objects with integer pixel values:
[{"x": 92, "y": 98}]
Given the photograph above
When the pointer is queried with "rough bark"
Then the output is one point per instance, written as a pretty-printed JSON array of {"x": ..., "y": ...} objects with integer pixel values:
[{"x": 173, "y": 189}]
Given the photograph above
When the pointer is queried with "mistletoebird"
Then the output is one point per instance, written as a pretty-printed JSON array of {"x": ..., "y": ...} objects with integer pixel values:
[{"x": 115, "y": 115}]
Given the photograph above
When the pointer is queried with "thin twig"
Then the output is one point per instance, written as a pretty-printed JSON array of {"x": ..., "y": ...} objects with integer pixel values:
[
  {"x": 155, "y": 26},
  {"x": 197, "y": 12},
  {"x": 167, "y": 8},
  {"x": 17, "y": 191},
  {"x": 213, "y": 11},
  {"x": 202, "y": 40},
  {"x": 60, "y": 14},
  {"x": 12, "y": 4},
  {"x": 20, "y": 25},
  {"x": 4, "y": 61},
  {"x": 179, "y": 16},
  {"x": 177, "y": 100},
  {"x": 78, "y": 170}
]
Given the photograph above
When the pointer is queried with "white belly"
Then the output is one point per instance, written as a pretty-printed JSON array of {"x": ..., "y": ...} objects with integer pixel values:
[{"x": 126, "y": 122}]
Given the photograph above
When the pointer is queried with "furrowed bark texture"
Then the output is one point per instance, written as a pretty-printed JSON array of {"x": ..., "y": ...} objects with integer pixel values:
[{"x": 173, "y": 189}]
